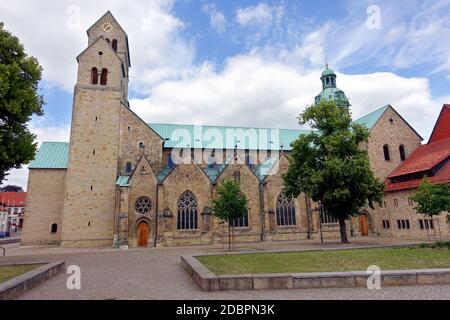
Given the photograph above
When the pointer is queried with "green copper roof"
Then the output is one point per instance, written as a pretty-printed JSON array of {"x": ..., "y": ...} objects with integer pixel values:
[
  {"x": 122, "y": 181},
  {"x": 263, "y": 169},
  {"x": 51, "y": 155},
  {"x": 55, "y": 155},
  {"x": 328, "y": 72},
  {"x": 164, "y": 173},
  {"x": 372, "y": 118},
  {"x": 222, "y": 137}
]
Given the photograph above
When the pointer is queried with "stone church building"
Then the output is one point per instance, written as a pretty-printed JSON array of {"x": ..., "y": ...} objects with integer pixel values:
[{"x": 122, "y": 181}]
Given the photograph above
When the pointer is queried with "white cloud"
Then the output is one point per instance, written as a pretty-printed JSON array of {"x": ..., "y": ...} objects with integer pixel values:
[
  {"x": 258, "y": 15},
  {"x": 45, "y": 131},
  {"x": 50, "y": 32},
  {"x": 267, "y": 86},
  {"x": 253, "y": 90},
  {"x": 217, "y": 19}
]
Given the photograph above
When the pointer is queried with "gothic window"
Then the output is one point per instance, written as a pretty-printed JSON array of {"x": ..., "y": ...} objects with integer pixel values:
[
  {"x": 402, "y": 153},
  {"x": 104, "y": 77},
  {"x": 114, "y": 45},
  {"x": 285, "y": 211},
  {"x": 54, "y": 228},
  {"x": 240, "y": 222},
  {"x": 128, "y": 167},
  {"x": 94, "y": 76},
  {"x": 387, "y": 153},
  {"x": 187, "y": 212},
  {"x": 143, "y": 205}
]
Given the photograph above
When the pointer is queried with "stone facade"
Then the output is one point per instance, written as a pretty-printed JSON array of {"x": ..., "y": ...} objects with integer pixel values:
[
  {"x": 45, "y": 203},
  {"x": 393, "y": 131},
  {"x": 93, "y": 208}
]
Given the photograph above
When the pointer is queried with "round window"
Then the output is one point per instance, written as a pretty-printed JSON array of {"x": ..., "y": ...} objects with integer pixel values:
[{"x": 143, "y": 205}]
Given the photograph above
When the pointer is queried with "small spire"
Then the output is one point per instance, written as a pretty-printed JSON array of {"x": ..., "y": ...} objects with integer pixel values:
[{"x": 326, "y": 62}]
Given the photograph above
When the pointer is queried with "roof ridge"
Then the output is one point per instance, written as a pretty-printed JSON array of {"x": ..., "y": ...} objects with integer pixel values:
[
  {"x": 223, "y": 126},
  {"x": 370, "y": 113}
]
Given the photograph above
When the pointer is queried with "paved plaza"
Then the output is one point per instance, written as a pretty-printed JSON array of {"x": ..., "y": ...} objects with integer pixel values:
[{"x": 156, "y": 273}]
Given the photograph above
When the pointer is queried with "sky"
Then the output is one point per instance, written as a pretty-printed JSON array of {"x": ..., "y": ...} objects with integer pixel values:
[{"x": 244, "y": 63}]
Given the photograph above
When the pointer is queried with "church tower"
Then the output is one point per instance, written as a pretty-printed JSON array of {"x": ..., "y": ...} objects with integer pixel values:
[
  {"x": 100, "y": 93},
  {"x": 330, "y": 92}
]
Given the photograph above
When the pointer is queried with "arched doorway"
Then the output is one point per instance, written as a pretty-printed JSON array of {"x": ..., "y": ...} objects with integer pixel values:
[
  {"x": 142, "y": 234},
  {"x": 363, "y": 225}
]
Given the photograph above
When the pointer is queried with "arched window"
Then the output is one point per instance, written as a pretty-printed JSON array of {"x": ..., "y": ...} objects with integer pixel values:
[
  {"x": 187, "y": 212},
  {"x": 114, "y": 45},
  {"x": 54, "y": 228},
  {"x": 240, "y": 222},
  {"x": 143, "y": 205},
  {"x": 387, "y": 153},
  {"x": 285, "y": 211},
  {"x": 104, "y": 77},
  {"x": 402, "y": 152},
  {"x": 128, "y": 167},
  {"x": 94, "y": 76}
]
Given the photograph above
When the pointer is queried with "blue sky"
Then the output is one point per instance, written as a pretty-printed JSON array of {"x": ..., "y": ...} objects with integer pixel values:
[{"x": 252, "y": 63}]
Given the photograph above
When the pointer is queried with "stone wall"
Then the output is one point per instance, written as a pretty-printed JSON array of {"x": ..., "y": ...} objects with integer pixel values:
[
  {"x": 250, "y": 187},
  {"x": 44, "y": 207},
  {"x": 394, "y": 133},
  {"x": 143, "y": 184},
  {"x": 134, "y": 131},
  {"x": 191, "y": 178},
  {"x": 92, "y": 170},
  {"x": 405, "y": 211}
]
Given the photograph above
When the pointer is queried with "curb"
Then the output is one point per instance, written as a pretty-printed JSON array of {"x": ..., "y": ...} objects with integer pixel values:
[
  {"x": 15, "y": 287},
  {"x": 208, "y": 281}
]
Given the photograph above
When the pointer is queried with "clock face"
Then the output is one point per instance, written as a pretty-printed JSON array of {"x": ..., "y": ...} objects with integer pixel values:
[{"x": 107, "y": 27}]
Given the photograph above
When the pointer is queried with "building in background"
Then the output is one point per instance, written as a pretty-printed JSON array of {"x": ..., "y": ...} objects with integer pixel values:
[{"x": 12, "y": 212}]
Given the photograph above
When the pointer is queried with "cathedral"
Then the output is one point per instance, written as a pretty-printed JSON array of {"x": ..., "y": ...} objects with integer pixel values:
[{"x": 123, "y": 182}]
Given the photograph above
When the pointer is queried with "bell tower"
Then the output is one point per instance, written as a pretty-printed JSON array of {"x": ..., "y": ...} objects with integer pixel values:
[{"x": 100, "y": 93}]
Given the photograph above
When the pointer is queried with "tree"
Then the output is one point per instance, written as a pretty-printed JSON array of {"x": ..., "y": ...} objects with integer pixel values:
[
  {"x": 11, "y": 189},
  {"x": 432, "y": 199},
  {"x": 19, "y": 100},
  {"x": 231, "y": 203},
  {"x": 330, "y": 166}
]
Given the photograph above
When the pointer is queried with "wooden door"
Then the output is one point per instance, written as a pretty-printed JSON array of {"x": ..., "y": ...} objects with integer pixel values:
[
  {"x": 142, "y": 233},
  {"x": 363, "y": 225}
]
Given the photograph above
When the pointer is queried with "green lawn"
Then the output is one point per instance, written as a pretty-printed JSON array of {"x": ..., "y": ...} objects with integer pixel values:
[
  {"x": 329, "y": 261},
  {"x": 10, "y": 272}
]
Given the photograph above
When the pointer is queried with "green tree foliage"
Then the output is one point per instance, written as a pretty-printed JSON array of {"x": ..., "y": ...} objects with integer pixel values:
[
  {"x": 330, "y": 166},
  {"x": 432, "y": 199},
  {"x": 231, "y": 203},
  {"x": 19, "y": 100}
]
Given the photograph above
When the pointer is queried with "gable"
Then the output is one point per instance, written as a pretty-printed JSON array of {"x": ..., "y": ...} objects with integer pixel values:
[
  {"x": 391, "y": 114},
  {"x": 441, "y": 129},
  {"x": 95, "y": 31}
]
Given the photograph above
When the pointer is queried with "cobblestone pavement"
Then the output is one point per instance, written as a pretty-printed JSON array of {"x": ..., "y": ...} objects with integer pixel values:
[{"x": 156, "y": 274}]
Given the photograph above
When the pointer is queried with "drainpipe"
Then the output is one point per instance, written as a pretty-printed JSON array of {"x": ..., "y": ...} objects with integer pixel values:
[
  {"x": 309, "y": 216},
  {"x": 261, "y": 205},
  {"x": 156, "y": 215}
]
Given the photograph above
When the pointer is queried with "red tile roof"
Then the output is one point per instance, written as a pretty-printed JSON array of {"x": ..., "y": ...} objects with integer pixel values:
[
  {"x": 442, "y": 128},
  {"x": 427, "y": 157},
  {"x": 16, "y": 199},
  {"x": 442, "y": 176}
]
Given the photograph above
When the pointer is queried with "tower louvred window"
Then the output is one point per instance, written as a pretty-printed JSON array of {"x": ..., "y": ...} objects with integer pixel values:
[
  {"x": 94, "y": 76},
  {"x": 104, "y": 77}
]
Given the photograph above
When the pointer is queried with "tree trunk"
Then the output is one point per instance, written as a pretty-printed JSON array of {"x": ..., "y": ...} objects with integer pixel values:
[{"x": 343, "y": 230}]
